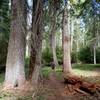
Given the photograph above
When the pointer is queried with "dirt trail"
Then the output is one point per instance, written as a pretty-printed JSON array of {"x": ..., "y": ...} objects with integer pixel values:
[{"x": 56, "y": 86}]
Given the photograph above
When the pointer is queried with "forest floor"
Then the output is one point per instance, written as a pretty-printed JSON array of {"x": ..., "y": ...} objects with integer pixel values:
[{"x": 52, "y": 87}]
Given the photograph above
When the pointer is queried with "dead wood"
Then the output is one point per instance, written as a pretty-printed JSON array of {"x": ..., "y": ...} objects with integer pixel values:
[{"x": 81, "y": 85}]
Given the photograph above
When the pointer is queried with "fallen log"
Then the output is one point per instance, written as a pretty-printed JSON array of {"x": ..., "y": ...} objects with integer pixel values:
[{"x": 81, "y": 84}]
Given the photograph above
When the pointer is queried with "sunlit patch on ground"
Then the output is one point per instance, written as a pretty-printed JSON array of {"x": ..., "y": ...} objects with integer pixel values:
[{"x": 89, "y": 72}]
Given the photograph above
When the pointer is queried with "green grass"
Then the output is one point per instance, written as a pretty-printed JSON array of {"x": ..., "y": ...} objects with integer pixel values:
[
  {"x": 79, "y": 69},
  {"x": 46, "y": 71},
  {"x": 2, "y": 77},
  {"x": 58, "y": 73},
  {"x": 87, "y": 67},
  {"x": 40, "y": 97}
]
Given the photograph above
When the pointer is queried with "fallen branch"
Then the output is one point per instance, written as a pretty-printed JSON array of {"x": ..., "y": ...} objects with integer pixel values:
[{"x": 82, "y": 92}]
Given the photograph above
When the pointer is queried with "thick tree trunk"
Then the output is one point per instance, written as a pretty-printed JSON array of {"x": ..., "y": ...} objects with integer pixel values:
[
  {"x": 36, "y": 42},
  {"x": 15, "y": 74},
  {"x": 66, "y": 43}
]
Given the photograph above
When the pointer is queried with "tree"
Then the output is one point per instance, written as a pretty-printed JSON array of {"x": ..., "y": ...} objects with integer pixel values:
[
  {"x": 15, "y": 75},
  {"x": 91, "y": 19},
  {"x": 36, "y": 41},
  {"x": 66, "y": 42},
  {"x": 53, "y": 9}
]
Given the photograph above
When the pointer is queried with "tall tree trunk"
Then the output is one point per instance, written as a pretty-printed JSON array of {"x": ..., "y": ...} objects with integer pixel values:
[
  {"x": 94, "y": 44},
  {"x": 36, "y": 42},
  {"x": 72, "y": 33},
  {"x": 15, "y": 74},
  {"x": 77, "y": 49},
  {"x": 53, "y": 39},
  {"x": 53, "y": 15},
  {"x": 94, "y": 53},
  {"x": 66, "y": 43},
  {"x": 98, "y": 32}
]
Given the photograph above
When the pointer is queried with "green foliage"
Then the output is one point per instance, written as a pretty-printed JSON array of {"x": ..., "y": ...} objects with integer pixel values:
[
  {"x": 73, "y": 57},
  {"x": 40, "y": 97},
  {"x": 59, "y": 52},
  {"x": 85, "y": 55},
  {"x": 2, "y": 77},
  {"x": 46, "y": 56},
  {"x": 3, "y": 52},
  {"x": 27, "y": 66},
  {"x": 86, "y": 70},
  {"x": 4, "y": 17},
  {"x": 4, "y": 30},
  {"x": 45, "y": 72},
  {"x": 59, "y": 72},
  {"x": 98, "y": 55},
  {"x": 86, "y": 67}
]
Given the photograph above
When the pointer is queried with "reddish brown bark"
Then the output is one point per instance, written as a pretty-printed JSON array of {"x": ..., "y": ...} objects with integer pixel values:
[
  {"x": 15, "y": 74},
  {"x": 81, "y": 85},
  {"x": 31, "y": 64},
  {"x": 36, "y": 42},
  {"x": 66, "y": 43}
]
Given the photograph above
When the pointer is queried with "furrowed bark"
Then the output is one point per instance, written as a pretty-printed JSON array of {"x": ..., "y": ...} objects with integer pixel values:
[
  {"x": 36, "y": 42},
  {"x": 15, "y": 74},
  {"x": 66, "y": 43}
]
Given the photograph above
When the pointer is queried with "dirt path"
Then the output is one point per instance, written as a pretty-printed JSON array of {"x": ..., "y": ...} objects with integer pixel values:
[{"x": 56, "y": 86}]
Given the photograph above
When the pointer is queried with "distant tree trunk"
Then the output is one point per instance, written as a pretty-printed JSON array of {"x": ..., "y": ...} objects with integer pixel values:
[
  {"x": 53, "y": 39},
  {"x": 77, "y": 49},
  {"x": 98, "y": 32},
  {"x": 36, "y": 42},
  {"x": 94, "y": 53},
  {"x": 72, "y": 33},
  {"x": 15, "y": 74},
  {"x": 66, "y": 43},
  {"x": 94, "y": 44}
]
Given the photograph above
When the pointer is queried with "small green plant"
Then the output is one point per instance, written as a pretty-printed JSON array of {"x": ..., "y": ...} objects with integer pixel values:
[
  {"x": 59, "y": 73},
  {"x": 45, "y": 72},
  {"x": 40, "y": 97},
  {"x": 46, "y": 56}
]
